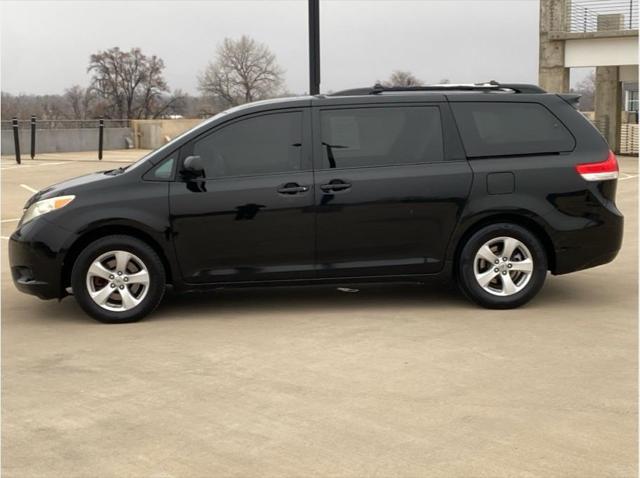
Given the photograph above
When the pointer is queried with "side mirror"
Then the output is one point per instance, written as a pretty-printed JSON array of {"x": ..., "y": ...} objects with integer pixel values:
[{"x": 193, "y": 165}]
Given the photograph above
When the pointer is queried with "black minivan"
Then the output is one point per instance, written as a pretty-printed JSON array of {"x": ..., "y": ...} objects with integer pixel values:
[{"x": 490, "y": 184}]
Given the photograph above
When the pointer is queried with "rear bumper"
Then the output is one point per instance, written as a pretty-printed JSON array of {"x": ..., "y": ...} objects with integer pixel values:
[
  {"x": 35, "y": 258},
  {"x": 590, "y": 247}
]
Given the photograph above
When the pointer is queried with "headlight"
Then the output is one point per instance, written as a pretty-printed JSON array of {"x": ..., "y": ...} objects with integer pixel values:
[{"x": 46, "y": 205}]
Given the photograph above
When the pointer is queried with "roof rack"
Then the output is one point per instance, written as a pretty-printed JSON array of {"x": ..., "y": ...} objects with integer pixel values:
[{"x": 486, "y": 86}]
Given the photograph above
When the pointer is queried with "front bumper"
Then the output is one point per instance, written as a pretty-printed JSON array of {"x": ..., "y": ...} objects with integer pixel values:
[{"x": 36, "y": 258}]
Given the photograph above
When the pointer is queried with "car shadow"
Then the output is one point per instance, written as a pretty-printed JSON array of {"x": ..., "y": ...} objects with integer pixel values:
[
  {"x": 235, "y": 302},
  {"x": 228, "y": 304},
  {"x": 309, "y": 299}
]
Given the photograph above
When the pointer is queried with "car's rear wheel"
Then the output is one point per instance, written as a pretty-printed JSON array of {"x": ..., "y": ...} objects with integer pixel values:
[
  {"x": 118, "y": 279},
  {"x": 502, "y": 266}
]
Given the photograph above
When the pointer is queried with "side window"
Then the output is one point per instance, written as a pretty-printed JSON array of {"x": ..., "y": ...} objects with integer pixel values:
[
  {"x": 162, "y": 171},
  {"x": 502, "y": 129},
  {"x": 271, "y": 143},
  {"x": 362, "y": 137}
]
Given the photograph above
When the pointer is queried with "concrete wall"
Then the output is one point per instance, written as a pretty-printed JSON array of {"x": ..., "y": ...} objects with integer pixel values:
[
  {"x": 148, "y": 136},
  {"x": 629, "y": 74},
  {"x": 151, "y": 134},
  {"x": 608, "y": 104},
  {"x": 65, "y": 140},
  {"x": 601, "y": 52},
  {"x": 553, "y": 76}
]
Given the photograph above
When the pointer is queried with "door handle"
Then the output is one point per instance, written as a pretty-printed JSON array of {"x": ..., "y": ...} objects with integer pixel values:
[
  {"x": 292, "y": 188},
  {"x": 335, "y": 185}
]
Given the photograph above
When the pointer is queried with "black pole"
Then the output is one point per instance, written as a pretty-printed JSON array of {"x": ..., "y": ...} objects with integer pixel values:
[
  {"x": 314, "y": 47},
  {"x": 33, "y": 136},
  {"x": 100, "y": 138},
  {"x": 16, "y": 139}
]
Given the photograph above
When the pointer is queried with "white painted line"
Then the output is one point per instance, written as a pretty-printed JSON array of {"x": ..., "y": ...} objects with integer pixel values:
[
  {"x": 4, "y": 237},
  {"x": 627, "y": 176},
  {"x": 16, "y": 167},
  {"x": 29, "y": 188},
  {"x": 22, "y": 166},
  {"x": 11, "y": 220}
]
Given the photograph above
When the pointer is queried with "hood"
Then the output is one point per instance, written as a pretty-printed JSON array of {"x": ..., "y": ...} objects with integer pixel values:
[{"x": 70, "y": 186}]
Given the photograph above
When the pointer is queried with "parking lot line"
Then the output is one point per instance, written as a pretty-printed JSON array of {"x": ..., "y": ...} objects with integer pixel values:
[
  {"x": 29, "y": 188},
  {"x": 22, "y": 166},
  {"x": 10, "y": 220}
]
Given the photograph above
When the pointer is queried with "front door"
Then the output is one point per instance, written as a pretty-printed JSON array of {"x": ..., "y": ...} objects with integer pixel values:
[
  {"x": 387, "y": 195},
  {"x": 250, "y": 218}
]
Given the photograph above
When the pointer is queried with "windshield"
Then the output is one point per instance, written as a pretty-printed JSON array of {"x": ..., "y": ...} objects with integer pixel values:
[{"x": 166, "y": 147}]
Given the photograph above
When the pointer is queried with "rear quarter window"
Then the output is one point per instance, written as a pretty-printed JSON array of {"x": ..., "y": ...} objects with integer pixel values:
[{"x": 510, "y": 129}]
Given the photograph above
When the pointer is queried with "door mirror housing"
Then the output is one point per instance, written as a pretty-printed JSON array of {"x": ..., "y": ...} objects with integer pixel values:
[{"x": 193, "y": 166}]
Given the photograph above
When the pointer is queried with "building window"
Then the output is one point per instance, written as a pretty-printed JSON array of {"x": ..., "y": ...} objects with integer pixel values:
[{"x": 632, "y": 100}]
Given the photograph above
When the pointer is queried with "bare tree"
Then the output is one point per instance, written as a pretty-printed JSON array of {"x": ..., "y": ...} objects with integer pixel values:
[
  {"x": 244, "y": 70},
  {"x": 49, "y": 107},
  {"x": 402, "y": 78},
  {"x": 131, "y": 83},
  {"x": 587, "y": 89},
  {"x": 174, "y": 104},
  {"x": 80, "y": 101}
]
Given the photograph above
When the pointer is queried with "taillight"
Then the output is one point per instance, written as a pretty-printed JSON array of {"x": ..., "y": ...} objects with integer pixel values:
[{"x": 602, "y": 171}]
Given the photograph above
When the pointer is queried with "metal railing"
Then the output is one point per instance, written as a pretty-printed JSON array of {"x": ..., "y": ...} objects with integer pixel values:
[
  {"x": 601, "y": 15},
  {"x": 629, "y": 139},
  {"x": 33, "y": 125},
  {"x": 66, "y": 124}
]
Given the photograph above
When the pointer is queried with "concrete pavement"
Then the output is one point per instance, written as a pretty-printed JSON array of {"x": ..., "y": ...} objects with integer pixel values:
[{"x": 397, "y": 380}]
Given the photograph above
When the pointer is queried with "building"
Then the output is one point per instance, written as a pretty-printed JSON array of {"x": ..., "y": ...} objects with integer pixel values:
[{"x": 601, "y": 34}]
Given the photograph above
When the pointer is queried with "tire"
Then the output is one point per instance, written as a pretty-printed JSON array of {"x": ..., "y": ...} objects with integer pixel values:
[
  {"x": 119, "y": 298},
  {"x": 506, "y": 284}
]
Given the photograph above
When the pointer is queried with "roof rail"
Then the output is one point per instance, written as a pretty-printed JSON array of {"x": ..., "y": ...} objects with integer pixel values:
[{"x": 486, "y": 86}]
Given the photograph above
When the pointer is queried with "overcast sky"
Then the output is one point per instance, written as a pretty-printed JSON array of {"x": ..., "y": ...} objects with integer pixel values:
[{"x": 46, "y": 45}]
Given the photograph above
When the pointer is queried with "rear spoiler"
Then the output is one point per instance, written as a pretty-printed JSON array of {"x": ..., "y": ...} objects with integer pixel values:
[{"x": 572, "y": 98}]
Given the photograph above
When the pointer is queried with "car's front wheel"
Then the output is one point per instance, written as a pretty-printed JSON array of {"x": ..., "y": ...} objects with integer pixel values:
[
  {"x": 118, "y": 279},
  {"x": 502, "y": 266}
]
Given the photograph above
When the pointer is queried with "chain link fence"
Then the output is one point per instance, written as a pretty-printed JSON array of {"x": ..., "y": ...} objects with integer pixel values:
[{"x": 66, "y": 124}]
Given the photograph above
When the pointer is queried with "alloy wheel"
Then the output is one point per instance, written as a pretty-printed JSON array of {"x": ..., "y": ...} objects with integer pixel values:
[
  {"x": 503, "y": 266},
  {"x": 118, "y": 281}
]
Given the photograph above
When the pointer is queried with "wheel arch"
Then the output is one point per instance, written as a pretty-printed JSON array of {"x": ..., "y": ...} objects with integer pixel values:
[
  {"x": 107, "y": 230},
  {"x": 527, "y": 222}
]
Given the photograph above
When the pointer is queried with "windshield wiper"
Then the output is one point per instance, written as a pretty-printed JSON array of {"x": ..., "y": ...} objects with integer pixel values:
[{"x": 115, "y": 172}]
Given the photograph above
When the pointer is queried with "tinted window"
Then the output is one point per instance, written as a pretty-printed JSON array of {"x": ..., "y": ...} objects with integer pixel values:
[
  {"x": 363, "y": 137},
  {"x": 259, "y": 145},
  {"x": 498, "y": 129}
]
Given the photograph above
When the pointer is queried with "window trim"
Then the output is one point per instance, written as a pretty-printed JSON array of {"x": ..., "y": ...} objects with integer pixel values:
[
  {"x": 305, "y": 161},
  {"x": 318, "y": 156}
]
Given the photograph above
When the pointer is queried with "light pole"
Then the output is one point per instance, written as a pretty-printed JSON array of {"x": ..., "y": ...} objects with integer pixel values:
[{"x": 314, "y": 47}]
